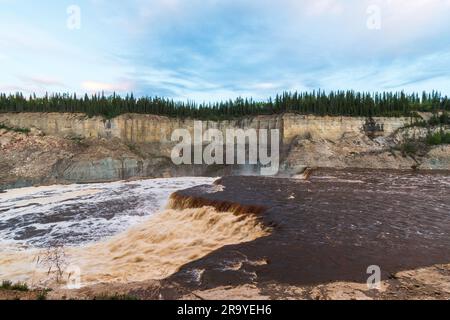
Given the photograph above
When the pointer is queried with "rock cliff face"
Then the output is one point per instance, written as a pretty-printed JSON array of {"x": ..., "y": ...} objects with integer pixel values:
[
  {"x": 66, "y": 148},
  {"x": 147, "y": 129}
]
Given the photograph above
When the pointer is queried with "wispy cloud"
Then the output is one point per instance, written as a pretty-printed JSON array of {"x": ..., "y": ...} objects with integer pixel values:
[
  {"x": 94, "y": 87},
  {"x": 43, "y": 81},
  {"x": 218, "y": 49}
]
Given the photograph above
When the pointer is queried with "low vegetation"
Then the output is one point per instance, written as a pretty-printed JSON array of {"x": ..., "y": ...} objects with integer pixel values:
[
  {"x": 42, "y": 294},
  {"x": 18, "y": 130},
  {"x": 438, "y": 119},
  {"x": 413, "y": 147},
  {"x": 410, "y": 148},
  {"x": 116, "y": 297},
  {"x": 8, "y": 285},
  {"x": 438, "y": 138},
  {"x": 21, "y": 291},
  {"x": 438, "y": 134}
]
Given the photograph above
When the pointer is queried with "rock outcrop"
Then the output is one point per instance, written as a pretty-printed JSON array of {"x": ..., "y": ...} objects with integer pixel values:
[
  {"x": 149, "y": 129},
  {"x": 73, "y": 148}
]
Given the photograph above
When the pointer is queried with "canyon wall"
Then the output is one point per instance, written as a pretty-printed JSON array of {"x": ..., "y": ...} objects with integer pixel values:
[
  {"x": 133, "y": 128},
  {"x": 73, "y": 148}
]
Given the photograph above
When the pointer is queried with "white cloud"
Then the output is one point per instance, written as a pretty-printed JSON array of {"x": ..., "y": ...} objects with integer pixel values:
[
  {"x": 224, "y": 48},
  {"x": 43, "y": 81},
  {"x": 94, "y": 86}
]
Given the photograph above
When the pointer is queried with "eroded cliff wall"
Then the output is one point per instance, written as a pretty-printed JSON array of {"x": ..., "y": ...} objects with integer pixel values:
[
  {"x": 133, "y": 128},
  {"x": 67, "y": 148}
]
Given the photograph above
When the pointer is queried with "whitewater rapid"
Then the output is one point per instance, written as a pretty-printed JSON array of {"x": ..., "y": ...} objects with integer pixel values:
[
  {"x": 112, "y": 233},
  {"x": 75, "y": 215}
]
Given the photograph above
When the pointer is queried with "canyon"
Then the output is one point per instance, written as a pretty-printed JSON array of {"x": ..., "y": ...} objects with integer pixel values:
[
  {"x": 145, "y": 238},
  {"x": 73, "y": 148}
]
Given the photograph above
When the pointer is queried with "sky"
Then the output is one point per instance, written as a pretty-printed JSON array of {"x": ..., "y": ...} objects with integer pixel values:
[{"x": 209, "y": 50}]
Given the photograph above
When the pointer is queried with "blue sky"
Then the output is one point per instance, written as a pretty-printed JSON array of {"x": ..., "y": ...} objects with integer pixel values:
[{"x": 208, "y": 50}]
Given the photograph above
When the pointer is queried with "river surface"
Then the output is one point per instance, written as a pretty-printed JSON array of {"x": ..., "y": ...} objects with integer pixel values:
[
  {"x": 330, "y": 228},
  {"x": 283, "y": 230},
  {"x": 74, "y": 215}
]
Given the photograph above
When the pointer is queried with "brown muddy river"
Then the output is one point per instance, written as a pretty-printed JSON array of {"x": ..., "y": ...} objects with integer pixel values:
[
  {"x": 331, "y": 228},
  {"x": 288, "y": 231}
]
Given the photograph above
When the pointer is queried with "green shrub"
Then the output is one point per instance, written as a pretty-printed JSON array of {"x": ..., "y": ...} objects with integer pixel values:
[
  {"x": 434, "y": 139},
  {"x": 8, "y": 285},
  {"x": 446, "y": 138},
  {"x": 420, "y": 123},
  {"x": 42, "y": 295},
  {"x": 434, "y": 121},
  {"x": 409, "y": 148},
  {"x": 437, "y": 120},
  {"x": 445, "y": 118},
  {"x": 20, "y": 287},
  {"x": 441, "y": 137}
]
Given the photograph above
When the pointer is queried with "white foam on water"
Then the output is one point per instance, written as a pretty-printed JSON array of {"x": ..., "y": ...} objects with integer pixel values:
[{"x": 79, "y": 214}]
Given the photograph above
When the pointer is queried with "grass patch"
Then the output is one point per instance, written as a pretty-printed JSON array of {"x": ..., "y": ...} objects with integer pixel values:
[
  {"x": 18, "y": 130},
  {"x": 438, "y": 138},
  {"x": 409, "y": 148},
  {"x": 116, "y": 297},
  {"x": 8, "y": 285},
  {"x": 42, "y": 294},
  {"x": 434, "y": 121}
]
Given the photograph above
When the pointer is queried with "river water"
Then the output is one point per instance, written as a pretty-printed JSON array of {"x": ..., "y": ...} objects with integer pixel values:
[
  {"x": 116, "y": 232},
  {"x": 331, "y": 227},
  {"x": 74, "y": 215},
  {"x": 254, "y": 229}
]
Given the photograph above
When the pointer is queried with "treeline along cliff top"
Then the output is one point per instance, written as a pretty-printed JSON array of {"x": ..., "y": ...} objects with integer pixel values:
[{"x": 334, "y": 103}]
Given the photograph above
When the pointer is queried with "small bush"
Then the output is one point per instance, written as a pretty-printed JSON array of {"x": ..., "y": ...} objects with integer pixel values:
[
  {"x": 116, "y": 297},
  {"x": 42, "y": 295},
  {"x": 434, "y": 121},
  {"x": 421, "y": 123},
  {"x": 445, "y": 118},
  {"x": 8, "y": 285},
  {"x": 446, "y": 138},
  {"x": 441, "y": 137},
  {"x": 409, "y": 148},
  {"x": 442, "y": 119},
  {"x": 20, "y": 287},
  {"x": 434, "y": 139}
]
